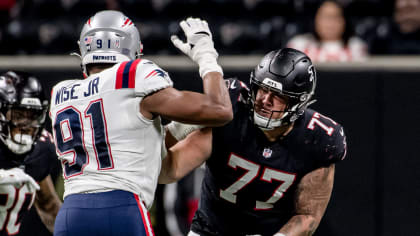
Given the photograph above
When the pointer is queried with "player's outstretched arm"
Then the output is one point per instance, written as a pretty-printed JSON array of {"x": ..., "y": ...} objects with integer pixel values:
[
  {"x": 186, "y": 155},
  {"x": 311, "y": 200},
  {"x": 213, "y": 108},
  {"x": 188, "y": 107},
  {"x": 47, "y": 203}
]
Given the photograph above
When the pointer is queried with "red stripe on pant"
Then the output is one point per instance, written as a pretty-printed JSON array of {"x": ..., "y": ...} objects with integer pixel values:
[{"x": 146, "y": 217}]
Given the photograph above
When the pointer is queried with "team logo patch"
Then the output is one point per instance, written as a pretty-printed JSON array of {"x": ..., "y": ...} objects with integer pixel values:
[
  {"x": 156, "y": 72},
  {"x": 267, "y": 152},
  {"x": 311, "y": 73},
  {"x": 271, "y": 83}
]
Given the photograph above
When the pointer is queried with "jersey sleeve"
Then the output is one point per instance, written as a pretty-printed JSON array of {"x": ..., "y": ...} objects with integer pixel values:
[
  {"x": 238, "y": 92},
  {"x": 150, "y": 78},
  {"x": 324, "y": 139},
  {"x": 41, "y": 160},
  {"x": 333, "y": 142},
  {"x": 337, "y": 150}
]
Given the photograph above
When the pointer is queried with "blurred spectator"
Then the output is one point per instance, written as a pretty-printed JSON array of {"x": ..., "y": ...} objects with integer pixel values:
[
  {"x": 401, "y": 36},
  {"x": 332, "y": 38}
]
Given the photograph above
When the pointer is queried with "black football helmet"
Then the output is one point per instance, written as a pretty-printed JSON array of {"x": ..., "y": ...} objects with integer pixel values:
[
  {"x": 286, "y": 72},
  {"x": 23, "y": 108}
]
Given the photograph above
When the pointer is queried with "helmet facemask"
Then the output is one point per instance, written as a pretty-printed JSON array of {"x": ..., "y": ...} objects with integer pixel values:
[
  {"x": 291, "y": 112},
  {"x": 20, "y": 127},
  {"x": 23, "y": 108}
]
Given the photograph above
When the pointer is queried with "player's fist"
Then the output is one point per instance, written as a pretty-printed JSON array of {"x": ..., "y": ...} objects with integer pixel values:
[
  {"x": 180, "y": 130},
  {"x": 17, "y": 177},
  {"x": 199, "y": 45}
]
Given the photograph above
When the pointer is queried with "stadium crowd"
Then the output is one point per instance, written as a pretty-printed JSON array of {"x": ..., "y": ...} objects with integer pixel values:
[{"x": 52, "y": 26}]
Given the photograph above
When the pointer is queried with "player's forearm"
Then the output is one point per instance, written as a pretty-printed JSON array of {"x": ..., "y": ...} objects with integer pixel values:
[
  {"x": 219, "y": 101},
  {"x": 311, "y": 199},
  {"x": 48, "y": 213},
  {"x": 300, "y": 225},
  {"x": 177, "y": 164},
  {"x": 169, "y": 168},
  {"x": 167, "y": 172},
  {"x": 47, "y": 203}
]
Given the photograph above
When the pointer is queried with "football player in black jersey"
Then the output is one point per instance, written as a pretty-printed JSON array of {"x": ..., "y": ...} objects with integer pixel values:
[
  {"x": 26, "y": 155},
  {"x": 270, "y": 171}
]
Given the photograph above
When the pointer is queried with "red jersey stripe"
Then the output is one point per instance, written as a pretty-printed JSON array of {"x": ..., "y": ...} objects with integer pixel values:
[
  {"x": 120, "y": 73},
  {"x": 132, "y": 73}
]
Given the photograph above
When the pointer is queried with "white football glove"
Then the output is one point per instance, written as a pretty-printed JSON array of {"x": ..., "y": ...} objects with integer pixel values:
[
  {"x": 17, "y": 177},
  {"x": 199, "y": 46},
  {"x": 181, "y": 130}
]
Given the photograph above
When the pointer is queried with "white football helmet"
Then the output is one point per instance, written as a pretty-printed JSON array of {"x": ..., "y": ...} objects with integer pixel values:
[{"x": 109, "y": 37}]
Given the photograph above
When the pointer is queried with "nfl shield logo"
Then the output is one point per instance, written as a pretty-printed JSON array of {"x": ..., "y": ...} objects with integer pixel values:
[{"x": 267, "y": 152}]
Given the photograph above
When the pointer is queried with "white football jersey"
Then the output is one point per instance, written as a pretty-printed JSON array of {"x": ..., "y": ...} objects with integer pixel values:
[
  {"x": 101, "y": 137},
  {"x": 16, "y": 200}
]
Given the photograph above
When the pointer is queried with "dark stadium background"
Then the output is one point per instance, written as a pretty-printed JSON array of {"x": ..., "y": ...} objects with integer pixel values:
[{"x": 377, "y": 186}]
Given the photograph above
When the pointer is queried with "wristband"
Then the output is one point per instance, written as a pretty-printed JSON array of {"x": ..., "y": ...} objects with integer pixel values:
[
  {"x": 279, "y": 234},
  {"x": 208, "y": 64}
]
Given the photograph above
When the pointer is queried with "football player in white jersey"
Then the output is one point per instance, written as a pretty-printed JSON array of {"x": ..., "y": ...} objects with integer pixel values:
[{"x": 107, "y": 127}]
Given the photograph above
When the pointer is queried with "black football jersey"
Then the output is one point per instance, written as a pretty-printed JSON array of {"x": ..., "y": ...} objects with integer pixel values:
[
  {"x": 250, "y": 182},
  {"x": 37, "y": 164}
]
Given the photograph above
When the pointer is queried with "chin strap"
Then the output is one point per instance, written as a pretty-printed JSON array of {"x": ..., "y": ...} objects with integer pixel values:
[
  {"x": 76, "y": 54},
  {"x": 85, "y": 74}
]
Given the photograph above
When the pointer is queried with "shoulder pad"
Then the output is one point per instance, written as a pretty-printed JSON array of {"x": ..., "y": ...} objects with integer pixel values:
[
  {"x": 329, "y": 135},
  {"x": 238, "y": 91},
  {"x": 150, "y": 78}
]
